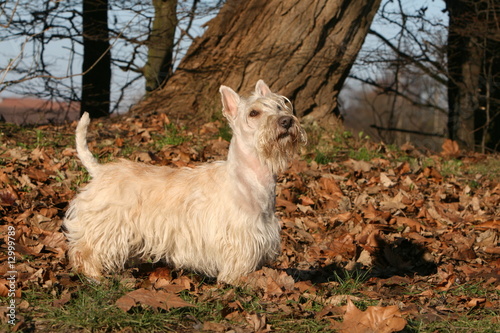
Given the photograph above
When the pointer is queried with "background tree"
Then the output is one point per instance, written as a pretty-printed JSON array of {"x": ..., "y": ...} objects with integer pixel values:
[
  {"x": 96, "y": 81},
  {"x": 398, "y": 83},
  {"x": 474, "y": 73},
  {"x": 457, "y": 60},
  {"x": 48, "y": 63},
  {"x": 161, "y": 43},
  {"x": 302, "y": 49},
  {"x": 38, "y": 27}
]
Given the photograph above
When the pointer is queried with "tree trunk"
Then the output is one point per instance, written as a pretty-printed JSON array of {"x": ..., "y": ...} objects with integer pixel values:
[
  {"x": 302, "y": 49},
  {"x": 464, "y": 64},
  {"x": 161, "y": 44},
  {"x": 473, "y": 65},
  {"x": 96, "y": 81}
]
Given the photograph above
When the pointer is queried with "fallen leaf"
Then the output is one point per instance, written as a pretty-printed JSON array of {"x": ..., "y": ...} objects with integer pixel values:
[
  {"x": 8, "y": 195},
  {"x": 375, "y": 319},
  {"x": 385, "y": 180},
  {"x": 411, "y": 223},
  {"x": 450, "y": 148},
  {"x": 288, "y": 205},
  {"x": 155, "y": 299},
  {"x": 258, "y": 322},
  {"x": 476, "y": 302},
  {"x": 212, "y": 326},
  {"x": 493, "y": 224},
  {"x": 65, "y": 298},
  {"x": 272, "y": 281},
  {"x": 306, "y": 201},
  {"x": 358, "y": 166}
]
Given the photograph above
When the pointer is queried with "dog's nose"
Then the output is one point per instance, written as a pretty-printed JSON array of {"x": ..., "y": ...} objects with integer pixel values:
[{"x": 285, "y": 122}]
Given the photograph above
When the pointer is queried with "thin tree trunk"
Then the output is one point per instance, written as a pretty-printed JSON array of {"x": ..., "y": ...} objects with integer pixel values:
[
  {"x": 161, "y": 44},
  {"x": 302, "y": 49},
  {"x": 96, "y": 83}
]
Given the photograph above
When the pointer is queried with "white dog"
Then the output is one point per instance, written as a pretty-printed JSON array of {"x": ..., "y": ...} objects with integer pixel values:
[{"x": 216, "y": 219}]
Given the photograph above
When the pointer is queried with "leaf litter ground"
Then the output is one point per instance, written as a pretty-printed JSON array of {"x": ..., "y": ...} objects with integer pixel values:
[{"x": 375, "y": 239}]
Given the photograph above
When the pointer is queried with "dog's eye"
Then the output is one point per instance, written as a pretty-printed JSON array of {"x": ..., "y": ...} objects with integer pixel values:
[
  {"x": 254, "y": 113},
  {"x": 280, "y": 108}
]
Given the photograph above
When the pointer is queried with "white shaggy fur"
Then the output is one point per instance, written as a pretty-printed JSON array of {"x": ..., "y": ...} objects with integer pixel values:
[{"x": 217, "y": 219}]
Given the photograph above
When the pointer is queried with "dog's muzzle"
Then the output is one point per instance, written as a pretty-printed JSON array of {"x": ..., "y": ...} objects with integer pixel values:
[{"x": 285, "y": 121}]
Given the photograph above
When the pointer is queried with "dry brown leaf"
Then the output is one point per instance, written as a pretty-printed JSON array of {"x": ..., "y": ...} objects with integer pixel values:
[
  {"x": 446, "y": 284},
  {"x": 119, "y": 142},
  {"x": 212, "y": 326},
  {"x": 476, "y": 302},
  {"x": 358, "y": 166},
  {"x": 411, "y": 223},
  {"x": 65, "y": 298},
  {"x": 450, "y": 148},
  {"x": 8, "y": 196},
  {"x": 258, "y": 322},
  {"x": 375, "y": 319},
  {"x": 403, "y": 168},
  {"x": 343, "y": 217},
  {"x": 288, "y": 205},
  {"x": 161, "y": 273},
  {"x": 365, "y": 258},
  {"x": 54, "y": 239},
  {"x": 330, "y": 188},
  {"x": 4, "y": 179},
  {"x": 4, "y": 290},
  {"x": 272, "y": 281},
  {"x": 385, "y": 180},
  {"x": 493, "y": 224},
  {"x": 155, "y": 299},
  {"x": 306, "y": 201},
  {"x": 304, "y": 286}
]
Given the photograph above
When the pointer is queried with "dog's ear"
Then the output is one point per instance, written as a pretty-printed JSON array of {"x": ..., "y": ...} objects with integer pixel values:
[
  {"x": 262, "y": 89},
  {"x": 230, "y": 101}
]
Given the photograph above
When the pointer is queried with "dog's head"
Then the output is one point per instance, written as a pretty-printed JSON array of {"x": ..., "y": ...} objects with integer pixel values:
[{"x": 264, "y": 122}]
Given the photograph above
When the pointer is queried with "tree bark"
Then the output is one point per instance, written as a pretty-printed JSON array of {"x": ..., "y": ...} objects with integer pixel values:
[
  {"x": 161, "y": 44},
  {"x": 473, "y": 65},
  {"x": 302, "y": 49},
  {"x": 96, "y": 82},
  {"x": 464, "y": 63}
]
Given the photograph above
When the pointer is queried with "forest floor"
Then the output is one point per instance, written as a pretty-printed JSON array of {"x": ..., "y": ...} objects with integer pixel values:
[{"x": 375, "y": 238}]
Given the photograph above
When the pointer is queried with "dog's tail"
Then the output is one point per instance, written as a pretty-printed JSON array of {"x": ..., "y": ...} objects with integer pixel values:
[{"x": 85, "y": 155}]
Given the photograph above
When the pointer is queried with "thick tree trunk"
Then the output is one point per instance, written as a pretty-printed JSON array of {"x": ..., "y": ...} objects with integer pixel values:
[
  {"x": 302, "y": 49},
  {"x": 473, "y": 65},
  {"x": 464, "y": 66},
  {"x": 161, "y": 44},
  {"x": 96, "y": 82}
]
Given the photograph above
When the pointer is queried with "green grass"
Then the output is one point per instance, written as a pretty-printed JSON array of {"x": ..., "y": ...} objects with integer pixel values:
[
  {"x": 173, "y": 136},
  {"x": 338, "y": 144},
  {"x": 451, "y": 167},
  {"x": 291, "y": 324},
  {"x": 363, "y": 154},
  {"x": 225, "y": 132},
  {"x": 325, "y": 157},
  {"x": 350, "y": 282},
  {"x": 464, "y": 324},
  {"x": 30, "y": 137},
  {"x": 92, "y": 308},
  {"x": 489, "y": 167}
]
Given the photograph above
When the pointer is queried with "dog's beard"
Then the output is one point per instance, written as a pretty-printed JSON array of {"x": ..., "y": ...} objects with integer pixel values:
[{"x": 277, "y": 146}]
